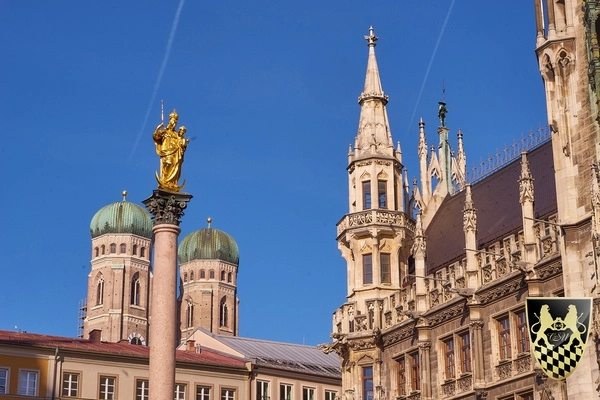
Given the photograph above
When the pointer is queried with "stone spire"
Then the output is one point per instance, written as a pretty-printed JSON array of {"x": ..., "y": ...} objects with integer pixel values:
[
  {"x": 470, "y": 229},
  {"x": 425, "y": 175},
  {"x": 459, "y": 163},
  {"x": 374, "y": 135},
  {"x": 526, "y": 198}
]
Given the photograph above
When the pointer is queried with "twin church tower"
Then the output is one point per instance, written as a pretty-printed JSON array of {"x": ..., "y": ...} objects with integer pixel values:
[{"x": 120, "y": 281}]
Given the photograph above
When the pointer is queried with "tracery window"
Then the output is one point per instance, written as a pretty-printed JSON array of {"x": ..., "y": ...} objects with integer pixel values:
[{"x": 136, "y": 289}]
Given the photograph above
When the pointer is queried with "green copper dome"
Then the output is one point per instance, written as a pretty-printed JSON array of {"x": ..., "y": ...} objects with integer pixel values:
[
  {"x": 122, "y": 217},
  {"x": 209, "y": 244}
]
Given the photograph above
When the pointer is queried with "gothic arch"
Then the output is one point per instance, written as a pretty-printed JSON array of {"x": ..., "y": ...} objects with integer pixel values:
[{"x": 136, "y": 338}]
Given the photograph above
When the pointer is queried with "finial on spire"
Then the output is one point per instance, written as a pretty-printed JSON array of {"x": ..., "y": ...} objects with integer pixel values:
[
  {"x": 209, "y": 220},
  {"x": 371, "y": 39},
  {"x": 124, "y": 193}
]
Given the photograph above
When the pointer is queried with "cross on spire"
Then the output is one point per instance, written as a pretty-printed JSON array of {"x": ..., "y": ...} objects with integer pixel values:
[{"x": 371, "y": 39}]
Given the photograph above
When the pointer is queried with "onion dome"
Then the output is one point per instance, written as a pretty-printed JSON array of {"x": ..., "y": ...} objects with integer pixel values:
[
  {"x": 209, "y": 244},
  {"x": 122, "y": 217}
]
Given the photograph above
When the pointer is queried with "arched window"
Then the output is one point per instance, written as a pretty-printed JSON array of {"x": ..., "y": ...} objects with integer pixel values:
[
  {"x": 113, "y": 248},
  {"x": 229, "y": 277},
  {"x": 103, "y": 249},
  {"x": 143, "y": 252},
  {"x": 222, "y": 275},
  {"x": 189, "y": 317},
  {"x": 96, "y": 252},
  {"x": 123, "y": 248},
  {"x": 136, "y": 289},
  {"x": 223, "y": 312},
  {"x": 136, "y": 340},
  {"x": 191, "y": 275},
  {"x": 185, "y": 277},
  {"x": 202, "y": 274},
  {"x": 134, "y": 251},
  {"x": 100, "y": 291},
  {"x": 211, "y": 274}
]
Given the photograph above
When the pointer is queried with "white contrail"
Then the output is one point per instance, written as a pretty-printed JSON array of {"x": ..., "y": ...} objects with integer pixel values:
[
  {"x": 160, "y": 75},
  {"x": 410, "y": 121}
]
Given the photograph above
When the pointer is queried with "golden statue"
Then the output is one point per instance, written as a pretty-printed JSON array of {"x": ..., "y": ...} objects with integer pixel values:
[{"x": 170, "y": 146}]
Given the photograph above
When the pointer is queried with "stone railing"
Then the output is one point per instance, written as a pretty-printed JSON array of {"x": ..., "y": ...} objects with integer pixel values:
[{"x": 396, "y": 219}]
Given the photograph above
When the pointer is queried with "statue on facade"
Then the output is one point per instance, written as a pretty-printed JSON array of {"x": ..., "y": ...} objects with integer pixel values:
[{"x": 170, "y": 147}]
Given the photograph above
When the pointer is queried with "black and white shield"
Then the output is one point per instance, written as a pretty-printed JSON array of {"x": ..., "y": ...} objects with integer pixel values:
[{"x": 558, "y": 329}]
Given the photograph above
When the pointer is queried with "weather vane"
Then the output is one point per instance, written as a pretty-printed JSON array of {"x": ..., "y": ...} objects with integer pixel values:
[{"x": 170, "y": 147}]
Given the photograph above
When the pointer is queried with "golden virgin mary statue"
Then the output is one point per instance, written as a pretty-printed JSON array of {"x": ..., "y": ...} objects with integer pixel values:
[{"x": 170, "y": 147}]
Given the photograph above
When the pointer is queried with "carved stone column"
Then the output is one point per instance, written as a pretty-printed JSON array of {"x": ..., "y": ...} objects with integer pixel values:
[
  {"x": 477, "y": 354},
  {"x": 426, "y": 392},
  {"x": 166, "y": 209}
]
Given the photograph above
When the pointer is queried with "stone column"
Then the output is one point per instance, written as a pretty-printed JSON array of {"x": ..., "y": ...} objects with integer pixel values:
[
  {"x": 166, "y": 209},
  {"x": 426, "y": 384},
  {"x": 477, "y": 354}
]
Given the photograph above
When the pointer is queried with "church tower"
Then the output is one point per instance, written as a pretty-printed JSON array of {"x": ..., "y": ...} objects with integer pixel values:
[
  {"x": 119, "y": 282},
  {"x": 374, "y": 237},
  {"x": 569, "y": 60},
  {"x": 209, "y": 260}
]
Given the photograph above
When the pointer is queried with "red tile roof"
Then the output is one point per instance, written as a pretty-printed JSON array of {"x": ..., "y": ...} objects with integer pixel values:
[{"x": 206, "y": 356}]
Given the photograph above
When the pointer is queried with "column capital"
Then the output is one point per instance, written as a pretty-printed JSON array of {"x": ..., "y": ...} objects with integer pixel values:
[{"x": 167, "y": 207}]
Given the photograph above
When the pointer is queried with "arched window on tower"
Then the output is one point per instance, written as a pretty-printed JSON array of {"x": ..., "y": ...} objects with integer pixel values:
[
  {"x": 191, "y": 275},
  {"x": 134, "y": 250},
  {"x": 100, "y": 291},
  {"x": 211, "y": 274},
  {"x": 185, "y": 277},
  {"x": 103, "y": 249},
  {"x": 143, "y": 252},
  {"x": 222, "y": 275},
  {"x": 123, "y": 248},
  {"x": 229, "y": 277},
  {"x": 136, "y": 289},
  {"x": 202, "y": 274},
  {"x": 113, "y": 248},
  {"x": 189, "y": 317},
  {"x": 223, "y": 312}
]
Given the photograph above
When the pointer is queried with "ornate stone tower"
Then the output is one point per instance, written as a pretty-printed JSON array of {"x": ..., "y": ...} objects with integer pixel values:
[
  {"x": 374, "y": 237},
  {"x": 569, "y": 60},
  {"x": 209, "y": 260},
  {"x": 119, "y": 282}
]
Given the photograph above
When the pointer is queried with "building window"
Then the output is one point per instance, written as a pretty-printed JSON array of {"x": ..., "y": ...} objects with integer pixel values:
[
  {"x": 504, "y": 338},
  {"x": 141, "y": 390},
  {"x": 449, "y": 363},
  {"x": 227, "y": 394},
  {"x": 522, "y": 333},
  {"x": 202, "y": 392},
  {"x": 525, "y": 396},
  {"x": 366, "y": 189},
  {"x": 223, "y": 312},
  {"x": 28, "y": 383},
  {"x": 285, "y": 391},
  {"x": 191, "y": 275},
  {"x": 401, "y": 377},
  {"x": 211, "y": 274},
  {"x": 189, "y": 315},
  {"x": 3, "y": 380},
  {"x": 367, "y": 383},
  {"x": 143, "y": 252},
  {"x": 123, "y": 248},
  {"x": 96, "y": 252},
  {"x": 70, "y": 384},
  {"x": 100, "y": 291},
  {"x": 107, "y": 388},
  {"x": 222, "y": 275},
  {"x": 465, "y": 352},
  {"x": 113, "y": 248},
  {"x": 136, "y": 288},
  {"x": 134, "y": 250},
  {"x": 229, "y": 277},
  {"x": 185, "y": 277},
  {"x": 330, "y": 395},
  {"x": 103, "y": 249},
  {"x": 415, "y": 371},
  {"x": 262, "y": 390},
  {"x": 367, "y": 269},
  {"x": 202, "y": 274},
  {"x": 180, "y": 389},
  {"x": 382, "y": 193},
  {"x": 385, "y": 268},
  {"x": 308, "y": 393}
]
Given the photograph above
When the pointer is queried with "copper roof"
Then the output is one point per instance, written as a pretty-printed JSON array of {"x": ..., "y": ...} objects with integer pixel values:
[
  {"x": 496, "y": 200},
  {"x": 206, "y": 357}
]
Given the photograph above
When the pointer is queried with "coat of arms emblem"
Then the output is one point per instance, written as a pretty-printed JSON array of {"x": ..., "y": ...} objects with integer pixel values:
[{"x": 558, "y": 330}]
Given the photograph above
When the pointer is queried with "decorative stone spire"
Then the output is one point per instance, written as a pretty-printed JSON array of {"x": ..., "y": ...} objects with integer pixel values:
[
  {"x": 419, "y": 247},
  {"x": 469, "y": 214},
  {"x": 459, "y": 163},
  {"x": 525, "y": 181},
  {"x": 470, "y": 229},
  {"x": 374, "y": 135},
  {"x": 425, "y": 174}
]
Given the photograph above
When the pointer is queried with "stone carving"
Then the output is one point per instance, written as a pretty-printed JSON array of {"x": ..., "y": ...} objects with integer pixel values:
[
  {"x": 449, "y": 388},
  {"x": 464, "y": 383},
  {"x": 360, "y": 218},
  {"x": 434, "y": 298},
  {"x": 501, "y": 290},
  {"x": 525, "y": 181},
  {"x": 501, "y": 267},
  {"x": 547, "y": 246},
  {"x": 550, "y": 270},
  {"x": 398, "y": 335},
  {"x": 167, "y": 207},
  {"x": 504, "y": 370},
  {"x": 446, "y": 314},
  {"x": 414, "y": 396},
  {"x": 487, "y": 273},
  {"x": 522, "y": 364}
]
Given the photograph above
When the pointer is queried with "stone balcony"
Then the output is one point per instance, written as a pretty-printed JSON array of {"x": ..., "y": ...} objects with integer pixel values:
[{"x": 394, "y": 220}]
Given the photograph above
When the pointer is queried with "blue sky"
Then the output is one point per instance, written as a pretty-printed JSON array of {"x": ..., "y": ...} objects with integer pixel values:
[{"x": 267, "y": 91}]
